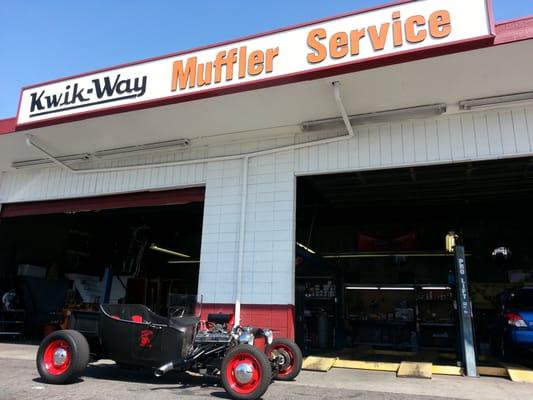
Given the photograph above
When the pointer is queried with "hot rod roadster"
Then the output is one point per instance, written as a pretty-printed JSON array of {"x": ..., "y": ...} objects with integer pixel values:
[{"x": 246, "y": 359}]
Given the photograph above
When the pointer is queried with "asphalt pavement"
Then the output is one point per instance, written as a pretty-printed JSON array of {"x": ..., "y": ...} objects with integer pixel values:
[{"x": 19, "y": 380}]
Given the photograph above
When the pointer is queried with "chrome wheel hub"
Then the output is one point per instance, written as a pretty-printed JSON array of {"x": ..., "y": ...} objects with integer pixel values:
[
  {"x": 283, "y": 358},
  {"x": 60, "y": 356},
  {"x": 244, "y": 373}
]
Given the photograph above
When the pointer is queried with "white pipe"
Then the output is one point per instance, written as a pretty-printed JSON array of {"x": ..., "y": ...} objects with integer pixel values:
[
  {"x": 242, "y": 232},
  {"x": 30, "y": 143},
  {"x": 244, "y": 191}
]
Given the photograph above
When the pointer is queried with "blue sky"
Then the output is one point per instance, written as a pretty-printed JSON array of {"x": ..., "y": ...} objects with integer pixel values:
[{"x": 42, "y": 40}]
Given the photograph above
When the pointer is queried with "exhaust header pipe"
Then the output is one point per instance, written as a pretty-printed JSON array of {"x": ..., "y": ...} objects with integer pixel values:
[
  {"x": 170, "y": 366},
  {"x": 163, "y": 369}
]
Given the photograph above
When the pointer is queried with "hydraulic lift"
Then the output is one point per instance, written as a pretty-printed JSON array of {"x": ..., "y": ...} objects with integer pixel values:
[{"x": 464, "y": 305}]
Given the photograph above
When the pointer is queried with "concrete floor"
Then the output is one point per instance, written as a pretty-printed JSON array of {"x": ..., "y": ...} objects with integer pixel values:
[{"x": 19, "y": 380}]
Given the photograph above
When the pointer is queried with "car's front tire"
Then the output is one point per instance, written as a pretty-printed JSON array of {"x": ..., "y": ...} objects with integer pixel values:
[
  {"x": 62, "y": 356},
  {"x": 246, "y": 372}
]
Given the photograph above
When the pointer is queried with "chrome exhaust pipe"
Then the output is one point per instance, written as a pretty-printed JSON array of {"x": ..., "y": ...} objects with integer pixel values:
[
  {"x": 171, "y": 366},
  {"x": 163, "y": 369}
]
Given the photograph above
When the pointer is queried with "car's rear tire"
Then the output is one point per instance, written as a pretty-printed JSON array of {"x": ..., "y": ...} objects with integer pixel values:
[
  {"x": 246, "y": 372},
  {"x": 291, "y": 356},
  {"x": 62, "y": 356}
]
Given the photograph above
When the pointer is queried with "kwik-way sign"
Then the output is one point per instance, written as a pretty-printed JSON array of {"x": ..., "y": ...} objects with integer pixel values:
[{"x": 325, "y": 48}]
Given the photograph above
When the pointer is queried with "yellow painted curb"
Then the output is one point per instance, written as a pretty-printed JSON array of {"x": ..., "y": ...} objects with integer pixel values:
[
  {"x": 521, "y": 375},
  {"x": 517, "y": 373},
  {"x": 322, "y": 364},
  {"x": 415, "y": 370},
  {"x": 493, "y": 371},
  {"x": 447, "y": 370},
  {"x": 367, "y": 365}
]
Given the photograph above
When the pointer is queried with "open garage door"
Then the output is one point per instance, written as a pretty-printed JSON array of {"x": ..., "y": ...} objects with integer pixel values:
[
  {"x": 63, "y": 255},
  {"x": 372, "y": 270}
]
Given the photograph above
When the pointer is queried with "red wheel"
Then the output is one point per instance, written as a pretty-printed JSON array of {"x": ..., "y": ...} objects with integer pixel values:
[
  {"x": 62, "y": 356},
  {"x": 288, "y": 356},
  {"x": 246, "y": 372},
  {"x": 57, "y": 357}
]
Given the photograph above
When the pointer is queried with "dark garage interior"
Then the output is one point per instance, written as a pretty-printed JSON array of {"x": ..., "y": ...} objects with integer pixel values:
[
  {"x": 371, "y": 265},
  {"x": 54, "y": 263}
]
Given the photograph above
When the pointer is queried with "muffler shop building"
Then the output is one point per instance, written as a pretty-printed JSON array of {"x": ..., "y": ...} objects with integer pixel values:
[{"x": 302, "y": 178}]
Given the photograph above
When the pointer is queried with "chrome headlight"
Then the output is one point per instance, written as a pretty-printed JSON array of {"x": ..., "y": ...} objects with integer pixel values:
[
  {"x": 269, "y": 335},
  {"x": 246, "y": 338}
]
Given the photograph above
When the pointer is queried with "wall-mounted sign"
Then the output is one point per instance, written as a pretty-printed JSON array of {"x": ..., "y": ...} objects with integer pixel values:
[{"x": 344, "y": 44}]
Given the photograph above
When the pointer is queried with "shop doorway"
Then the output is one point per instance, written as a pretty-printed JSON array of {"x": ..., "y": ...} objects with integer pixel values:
[
  {"x": 371, "y": 267},
  {"x": 56, "y": 257}
]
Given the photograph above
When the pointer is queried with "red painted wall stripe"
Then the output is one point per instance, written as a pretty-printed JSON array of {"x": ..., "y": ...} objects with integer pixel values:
[{"x": 278, "y": 317}]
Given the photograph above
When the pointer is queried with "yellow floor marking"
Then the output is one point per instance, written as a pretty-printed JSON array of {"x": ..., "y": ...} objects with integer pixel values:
[
  {"x": 322, "y": 364},
  {"x": 368, "y": 365},
  {"x": 521, "y": 375},
  {"x": 447, "y": 370},
  {"x": 518, "y": 373},
  {"x": 415, "y": 370}
]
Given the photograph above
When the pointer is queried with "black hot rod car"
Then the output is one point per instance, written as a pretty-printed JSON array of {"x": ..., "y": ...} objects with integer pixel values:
[{"x": 245, "y": 358}]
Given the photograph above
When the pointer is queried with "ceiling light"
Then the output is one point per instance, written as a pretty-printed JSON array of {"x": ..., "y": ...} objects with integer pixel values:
[
  {"x": 362, "y": 288},
  {"x": 305, "y": 248},
  {"x": 379, "y": 116},
  {"x": 149, "y": 147},
  {"x": 45, "y": 161},
  {"x": 487, "y": 102},
  {"x": 167, "y": 251},
  {"x": 436, "y": 288},
  {"x": 183, "y": 262},
  {"x": 397, "y": 288},
  {"x": 157, "y": 146}
]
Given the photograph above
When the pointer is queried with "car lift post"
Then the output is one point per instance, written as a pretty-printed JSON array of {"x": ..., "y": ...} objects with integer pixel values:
[{"x": 464, "y": 306}]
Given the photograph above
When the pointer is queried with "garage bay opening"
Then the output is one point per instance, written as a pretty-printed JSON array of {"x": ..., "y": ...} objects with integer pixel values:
[
  {"x": 57, "y": 257},
  {"x": 374, "y": 280}
]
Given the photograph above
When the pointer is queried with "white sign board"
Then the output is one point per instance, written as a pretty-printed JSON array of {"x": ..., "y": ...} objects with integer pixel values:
[{"x": 308, "y": 51}]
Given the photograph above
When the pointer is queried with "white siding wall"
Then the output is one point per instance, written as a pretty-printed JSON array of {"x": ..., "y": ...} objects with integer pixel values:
[
  {"x": 269, "y": 235},
  {"x": 455, "y": 138}
]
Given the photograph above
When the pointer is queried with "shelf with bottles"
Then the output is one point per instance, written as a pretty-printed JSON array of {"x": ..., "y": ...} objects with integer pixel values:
[
  {"x": 321, "y": 290},
  {"x": 434, "y": 294}
]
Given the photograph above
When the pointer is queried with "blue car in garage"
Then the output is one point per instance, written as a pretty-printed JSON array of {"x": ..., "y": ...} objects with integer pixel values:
[{"x": 515, "y": 336}]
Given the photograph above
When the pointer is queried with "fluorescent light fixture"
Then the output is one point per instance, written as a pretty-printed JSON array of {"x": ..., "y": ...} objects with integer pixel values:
[
  {"x": 306, "y": 248},
  {"x": 362, "y": 288},
  {"x": 167, "y": 251},
  {"x": 487, "y": 102},
  {"x": 183, "y": 262},
  {"x": 129, "y": 150},
  {"x": 157, "y": 146},
  {"x": 385, "y": 254},
  {"x": 351, "y": 287},
  {"x": 426, "y": 111},
  {"x": 436, "y": 288},
  {"x": 45, "y": 161}
]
